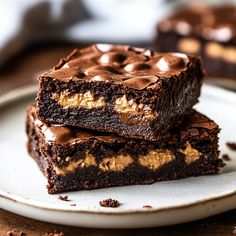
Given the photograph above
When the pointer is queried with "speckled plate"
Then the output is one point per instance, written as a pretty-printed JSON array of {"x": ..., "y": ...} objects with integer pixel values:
[{"x": 22, "y": 186}]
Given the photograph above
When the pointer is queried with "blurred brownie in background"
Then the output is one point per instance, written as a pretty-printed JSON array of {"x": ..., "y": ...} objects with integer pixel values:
[{"x": 208, "y": 31}]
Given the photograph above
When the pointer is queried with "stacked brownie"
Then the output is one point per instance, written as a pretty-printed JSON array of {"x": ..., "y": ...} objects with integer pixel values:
[
  {"x": 208, "y": 31},
  {"x": 111, "y": 115}
]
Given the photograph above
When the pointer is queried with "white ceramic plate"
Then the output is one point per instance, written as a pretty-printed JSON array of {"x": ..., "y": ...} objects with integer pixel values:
[
  {"x": 223, "y": 82},
  {"x": 23, "y": 191}
]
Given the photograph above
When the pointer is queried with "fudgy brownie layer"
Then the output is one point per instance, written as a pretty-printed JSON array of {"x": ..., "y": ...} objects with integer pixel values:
[
  {"x": 76, "y": 159},
  {"x": 134, "y": 93},
  {"x": 206, "y": 31}
]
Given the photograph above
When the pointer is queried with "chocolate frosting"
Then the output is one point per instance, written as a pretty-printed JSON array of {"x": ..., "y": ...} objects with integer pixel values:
[
  {"x": 133, "y": 67},
  {"x": 195, "y": 124},
  {"x": 211, "y": 22}
]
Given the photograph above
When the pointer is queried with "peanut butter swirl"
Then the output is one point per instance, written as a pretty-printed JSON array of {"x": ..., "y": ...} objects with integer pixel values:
[{"x": 133, "y": 67}]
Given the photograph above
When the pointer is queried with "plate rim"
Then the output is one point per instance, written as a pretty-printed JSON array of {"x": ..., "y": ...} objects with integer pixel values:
[
  {"x": 26, "y": 91},
  {"x": 98, "y": 211}
]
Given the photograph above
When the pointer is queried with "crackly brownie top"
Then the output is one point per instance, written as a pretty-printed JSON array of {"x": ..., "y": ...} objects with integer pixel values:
[
  {"x": 211, "y": 22},
  {"x": 194, "y": 125},
  {"x": 133, "y": 67}
]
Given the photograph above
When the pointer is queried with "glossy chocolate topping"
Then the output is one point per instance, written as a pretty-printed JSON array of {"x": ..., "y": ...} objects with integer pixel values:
[
  {"x": 195, "y": 124},
  {"x": 62, "y": 134},
  {"x": 213, "y": 23},
  {"x": 134, "y": 67}
]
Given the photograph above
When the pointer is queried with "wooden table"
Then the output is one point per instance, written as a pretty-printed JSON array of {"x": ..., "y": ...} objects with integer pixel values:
[{"x": 20, "y": 71}]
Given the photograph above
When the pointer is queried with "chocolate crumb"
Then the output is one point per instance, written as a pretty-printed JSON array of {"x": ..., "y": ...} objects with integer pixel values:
[
  {"x": 109, "y": 203},
  {"x": 226, "y": 157},
  {"x": 54, "y": 234},
  {"x": 231, "y": 145},
  {"x": 73, "y": 204},
  {"x": 63, "y": 198},
  {"x": 147, "y": 206}
]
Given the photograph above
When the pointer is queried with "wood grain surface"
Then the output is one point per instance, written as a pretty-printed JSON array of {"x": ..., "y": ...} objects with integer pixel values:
[{"x": 22, "y": 70}]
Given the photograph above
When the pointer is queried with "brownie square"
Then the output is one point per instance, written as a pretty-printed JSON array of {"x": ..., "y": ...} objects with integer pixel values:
[
  {"x": 208, "y": 31},
  {"x": 75, "y": 159},
  {"x": 132, "y": 92}
]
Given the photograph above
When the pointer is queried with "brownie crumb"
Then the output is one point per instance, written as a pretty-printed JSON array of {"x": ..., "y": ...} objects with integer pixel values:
[
  {"x": 54, "y": 234},
  {"x": 73, "y": 204},
  {"x": 147, "y": 206},
  {"x": 226, "y": 157},
  {"x": 109, "y": 203},
  {"x": 231, "y": 145},
  {"x": 63, "y": 198}
]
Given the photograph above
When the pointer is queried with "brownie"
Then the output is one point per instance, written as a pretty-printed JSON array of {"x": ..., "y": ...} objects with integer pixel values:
[
  {"x": 208, "y": 31},
  {"x": 109, "y": 203},
  {"x": 77, "y": 159},
  {"x": 132, "y": 92}
]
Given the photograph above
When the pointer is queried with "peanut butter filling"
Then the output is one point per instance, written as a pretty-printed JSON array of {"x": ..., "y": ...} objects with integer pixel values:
[
  {"x": 153, "y": 160},
  {"x": 191, "y": 154},
  {"x": 216, "y": 50},
  {"x": 78, "y": 100},
  {"x": 87, "y": 101},
  {"x": 89, "y": 160},
  {"x": 156, "y": 158},
  {"x": 125, "y": 106},
  {"x": 189, "y": 45},
  {"x": 117, "y": 163}
]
